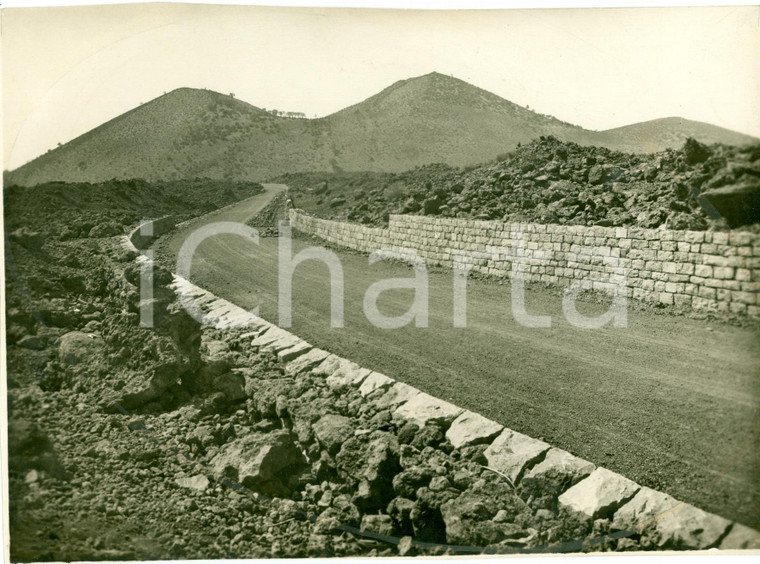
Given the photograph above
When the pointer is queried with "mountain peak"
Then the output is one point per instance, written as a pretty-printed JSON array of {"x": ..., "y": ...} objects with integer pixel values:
[
  {"x": 192, "y": 132},
  {"x": 417, "y": 92},
  {"x": 439, "y": 79}
]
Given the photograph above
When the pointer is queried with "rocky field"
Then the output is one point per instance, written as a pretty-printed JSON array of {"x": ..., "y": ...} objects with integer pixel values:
[
  {"x": 63, "y": 211},
  {"x": 178, "y": 441},
  {"x": 548, "y": 181},
  {"x": 182, "y": 441}
]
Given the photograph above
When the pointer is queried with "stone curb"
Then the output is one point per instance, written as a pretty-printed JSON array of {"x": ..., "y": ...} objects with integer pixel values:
[{"x": 600, "y": 493}]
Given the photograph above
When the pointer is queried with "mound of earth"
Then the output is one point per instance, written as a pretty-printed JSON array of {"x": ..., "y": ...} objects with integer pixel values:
[{"x": 548, "y": 181}]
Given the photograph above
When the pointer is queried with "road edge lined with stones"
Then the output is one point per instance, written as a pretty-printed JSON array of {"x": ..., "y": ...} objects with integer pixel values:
[{"x": 628, "y": 505}]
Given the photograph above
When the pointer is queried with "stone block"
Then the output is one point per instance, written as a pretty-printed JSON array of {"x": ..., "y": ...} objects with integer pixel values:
[
  {"x": 423, "y": 408},
  {"x": 665, "y": 522},
  {"x": 306, "y": 361},
  {"x": 397, "y": 394},
  {"x": 294, "y": 352},
  {"x": 599, "y": 495},
  {"x": 740, "y": 537},
  {"x": 723, "y": 272},
  {"x": 347, "y": 374},
  {"x": 374, "y": 381},
  {"x": 511, "y": 453},
  {"x": 703, "y": 271},
  {"x": 471, "y": 428}
]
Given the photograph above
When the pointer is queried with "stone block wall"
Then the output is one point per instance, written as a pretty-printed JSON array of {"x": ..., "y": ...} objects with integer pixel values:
[{"x": 703, "y": 270}]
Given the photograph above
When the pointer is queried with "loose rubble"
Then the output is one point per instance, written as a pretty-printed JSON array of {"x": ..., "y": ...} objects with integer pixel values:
[{"x": 549, "y": 181}]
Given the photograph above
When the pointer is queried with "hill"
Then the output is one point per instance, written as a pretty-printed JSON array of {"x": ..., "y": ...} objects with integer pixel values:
[
  {"x": 670, "y": 133},
  {"x": 191, "y": 133}
]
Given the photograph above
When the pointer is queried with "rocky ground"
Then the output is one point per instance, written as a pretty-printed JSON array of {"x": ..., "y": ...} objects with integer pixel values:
[
  {"x": 549, "y": 181},
  {"x": 180, "y": 441},
  {"x": 267, "y": 220},
  {"x": 173, "y": 442},
  {"x": 61, "y": 211},
  {"x": 177, "y": 442}
]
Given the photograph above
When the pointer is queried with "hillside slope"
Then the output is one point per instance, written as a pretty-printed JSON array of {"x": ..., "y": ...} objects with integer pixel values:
[
  {"x": 191, "y": 133},
  {"x": 670, "y": 133}
]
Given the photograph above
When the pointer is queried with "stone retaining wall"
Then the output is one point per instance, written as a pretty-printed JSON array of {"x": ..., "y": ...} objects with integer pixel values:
[{"x": 703, "y": 270}]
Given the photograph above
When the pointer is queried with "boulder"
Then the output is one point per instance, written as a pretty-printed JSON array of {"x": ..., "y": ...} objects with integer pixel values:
[
  {"x": 400, "y": 509},
  {"x": 232, "y": 385},
  {"x": 695, "y": 152},
  {"x": 77, "y": 347},
  {"x": 198, "y": 483},
  {"x": 31, "y": 240},
  {"x": 106, "y": 229},
  {"x": 407, "y": 482},
  {"x": 598, "y": 495},
  {"x": 738, "y": 204},
  {"x": 468, "y": 522},
  {"x": 596, "y": 174},
  {"x": 427, "y": 523},
  {"x": 332, "y": 431},
  {"x": 29, "y": 447},
  {"x": 141, "y": 391},
  {"x": 406, "y": 546},
  {"x": 33, "y": 342},
  {"x": 203, "y": 380},
  {"x": 371, "y": 464},
  {"x": 378, "y": 524},
  {"x": 265, "y": 397},
  {"x": 260, "y": 462},
  {"x": 512, "y": 452},
  {"x": 471, "y": 428},
  {"x": 432, "y": 434},
  {"x": 200, "y": 435}
]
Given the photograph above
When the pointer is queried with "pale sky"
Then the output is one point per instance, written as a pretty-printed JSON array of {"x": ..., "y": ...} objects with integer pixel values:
[{"x": 67, "y": 70}]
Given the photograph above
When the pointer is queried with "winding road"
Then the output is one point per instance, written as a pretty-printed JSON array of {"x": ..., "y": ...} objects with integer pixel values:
[{"x": 670, "y": 402}]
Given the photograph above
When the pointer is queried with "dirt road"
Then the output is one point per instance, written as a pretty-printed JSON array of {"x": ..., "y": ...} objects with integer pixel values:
[{"x": 668, "y": 401}]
